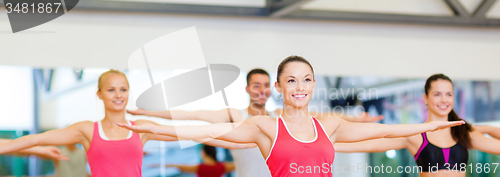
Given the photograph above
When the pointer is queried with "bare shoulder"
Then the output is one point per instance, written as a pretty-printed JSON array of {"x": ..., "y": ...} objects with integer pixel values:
[
  {"x": 330, "y": 119},
  {"x": 266, "y": 125},
  {"x": 82, "y": 125},
  {"x": 330, "y": 123},
  {"x": 85, "y": 128}
]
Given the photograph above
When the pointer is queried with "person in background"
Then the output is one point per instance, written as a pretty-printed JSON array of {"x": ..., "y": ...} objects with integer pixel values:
[
  {"x": 209, "y": 167},
  {"x": 77, "y": 164}
]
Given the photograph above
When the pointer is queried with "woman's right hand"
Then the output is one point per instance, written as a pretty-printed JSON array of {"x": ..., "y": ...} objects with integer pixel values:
[
  {"x": 445, "y": 124},
  {"x": 143, "y": 128},
  {"x": 53, "y": 152},
  {"x": 137, "y": 112}
]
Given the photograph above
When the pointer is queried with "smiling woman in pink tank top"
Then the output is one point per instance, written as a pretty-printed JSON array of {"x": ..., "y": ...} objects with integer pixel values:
[
  {"x": 111, "y": 151},
  {"x": 295, "y": 144}
]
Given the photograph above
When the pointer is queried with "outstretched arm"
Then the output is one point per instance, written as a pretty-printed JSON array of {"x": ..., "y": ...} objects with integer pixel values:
[
  {"x": 220, "y": 116},
  {"x": 245, "y": 132},
  {"x": 185, "y": 168},
  {"x": 490, "y": 130},
  {"x": 226, "y": 144},
  {"x": 48, "y": 152},
  {"x": 352, "y": 132},
  {"x": 375, "y": 145},
  {"x": 148, "y": 136},
  {"x": 485, "y": 144},
  {"x": 69, "y": 135},
  {"x": 211, "y": 142}
]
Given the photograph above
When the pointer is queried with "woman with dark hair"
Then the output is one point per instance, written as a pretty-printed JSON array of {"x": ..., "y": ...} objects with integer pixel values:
[
  {"x": 295, "y": 144},
  {"x": 209, "y": 167},
  {"x": 440, "y": 153}
]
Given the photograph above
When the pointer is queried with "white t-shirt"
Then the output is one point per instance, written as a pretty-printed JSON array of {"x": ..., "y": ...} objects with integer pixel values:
[{"x": 249, "y": 162}]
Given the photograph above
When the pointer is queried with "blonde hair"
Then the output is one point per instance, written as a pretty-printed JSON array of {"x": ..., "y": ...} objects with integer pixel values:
[{"x": 107, "y": 74}]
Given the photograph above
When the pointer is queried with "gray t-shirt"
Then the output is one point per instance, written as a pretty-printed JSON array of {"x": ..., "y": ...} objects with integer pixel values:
[{"x": 249, "y": 162}]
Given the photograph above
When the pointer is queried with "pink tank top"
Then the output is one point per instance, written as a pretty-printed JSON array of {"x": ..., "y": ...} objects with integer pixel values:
[
  {"x": 115, "y": 158},
  {"x": 292, "y": 157}
]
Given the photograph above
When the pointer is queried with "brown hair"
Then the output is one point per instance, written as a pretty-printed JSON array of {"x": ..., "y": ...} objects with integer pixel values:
[
  {"x": 107, "y": 74},
  {"x": 210, "y": 151},
  {"x": 256, "y": 71},
  {"x": 460, "y": 133},
  {"x": 293, "y": 58}
]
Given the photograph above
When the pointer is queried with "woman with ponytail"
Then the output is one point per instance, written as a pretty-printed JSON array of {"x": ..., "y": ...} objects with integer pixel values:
[{"x": 440, "y": 152}]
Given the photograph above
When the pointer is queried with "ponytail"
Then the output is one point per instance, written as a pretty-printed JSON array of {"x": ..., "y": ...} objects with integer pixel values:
[{"x": 460, "y": 133}]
